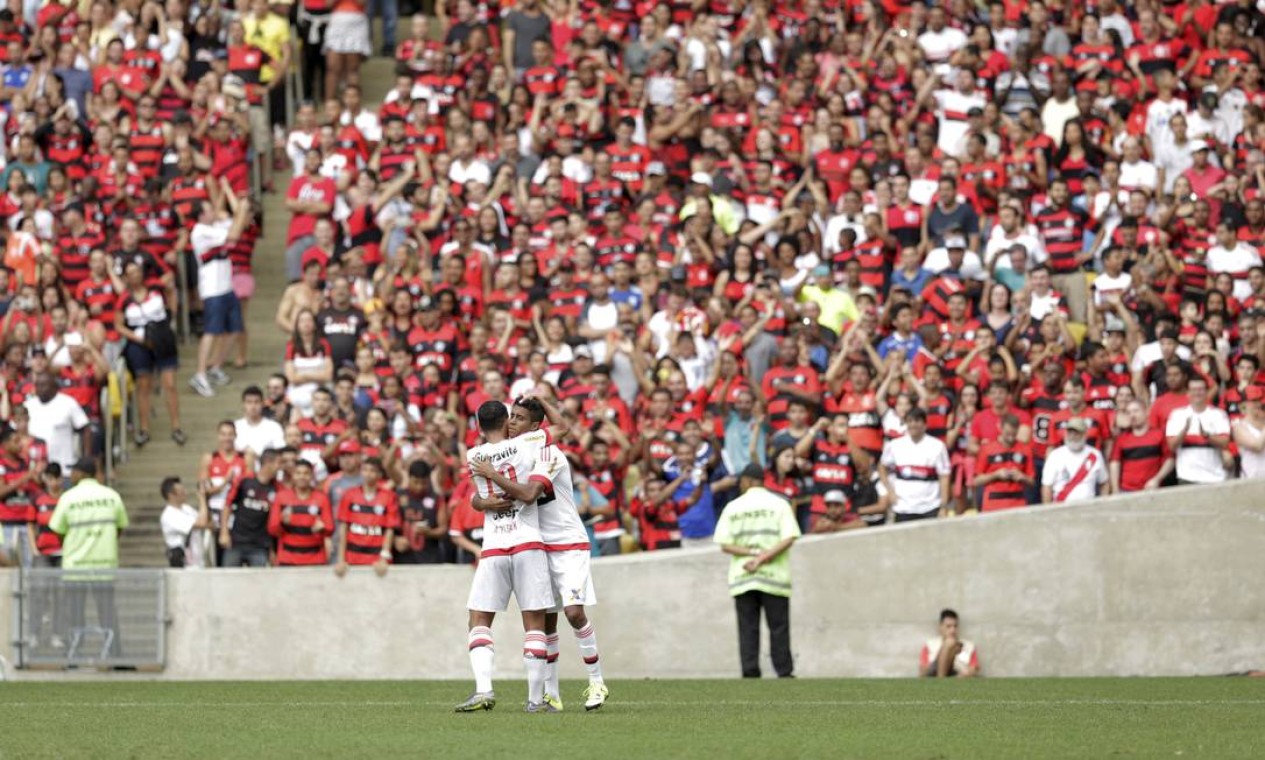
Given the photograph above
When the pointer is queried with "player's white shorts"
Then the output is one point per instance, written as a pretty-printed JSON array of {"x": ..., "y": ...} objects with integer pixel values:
[
  {"x": 525, "y": 575},
  {"x": 572, "y": 580}
]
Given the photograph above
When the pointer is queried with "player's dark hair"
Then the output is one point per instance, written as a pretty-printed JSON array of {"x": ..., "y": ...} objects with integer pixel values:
[
  {"x": 535, "y": 410},
  {"x": 269, "y": 457},
  {"x": 915, "y": 415},
  {"x": 302, "y": 463},
  {"x": 252, "y": 390},
  {"x": 168, "y": 486},
  {"x": 375, "y": 463},
  {"x": 492, "y": 416},
  {"x": 419, "y": 469},
  {"x": 947, "y": 614}
]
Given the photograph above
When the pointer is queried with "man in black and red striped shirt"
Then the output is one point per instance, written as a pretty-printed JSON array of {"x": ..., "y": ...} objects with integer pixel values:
[
  {"x": 301, "y": 520},
  {"x": 1062, "y": 228},
  {"x": 368, "y": 515},
  {"x": 1140, "y": 460},
  {"x": 76, "y": 243}
]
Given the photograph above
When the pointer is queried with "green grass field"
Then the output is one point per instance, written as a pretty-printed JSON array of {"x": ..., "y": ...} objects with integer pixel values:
[{"x": 1080, "y": 718}]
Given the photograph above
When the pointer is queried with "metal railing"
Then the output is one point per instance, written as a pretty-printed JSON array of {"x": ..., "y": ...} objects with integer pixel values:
[{"x": 98, "y": 618}]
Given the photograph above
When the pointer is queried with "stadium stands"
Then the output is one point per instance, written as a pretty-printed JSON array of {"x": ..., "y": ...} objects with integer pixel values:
[{"x": 712, "y": 233}]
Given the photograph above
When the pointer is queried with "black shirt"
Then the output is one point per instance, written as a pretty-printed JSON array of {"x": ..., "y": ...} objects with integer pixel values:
[
  {"x": 250, "y": 501},
  {"x": 342, "y": 328}
]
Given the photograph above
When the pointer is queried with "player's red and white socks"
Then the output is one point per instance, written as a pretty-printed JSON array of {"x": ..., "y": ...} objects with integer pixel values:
[
  {"x": 587, "y": 640},
  {"x": 481, "y": 656},
  {"x": 536, "y": 660},
  {"x": 551, "y": 665}
]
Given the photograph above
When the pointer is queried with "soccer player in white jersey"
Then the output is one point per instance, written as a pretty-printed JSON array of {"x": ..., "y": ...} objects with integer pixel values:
[
  {"x": 512, "y": 561},
  {"x": 566, "y": 544}
]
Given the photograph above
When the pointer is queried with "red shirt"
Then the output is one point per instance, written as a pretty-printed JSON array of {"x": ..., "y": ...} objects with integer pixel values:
[
  {"x": 994, "y": 457},
  {"x": 299, "y": 543},
  {"x": 368, "y": 517},
  {"x": 308, "y": 189}
]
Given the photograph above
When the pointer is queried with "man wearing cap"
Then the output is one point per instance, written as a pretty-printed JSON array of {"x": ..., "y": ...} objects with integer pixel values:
[
  {"x": 837, "y": 517},
  {"x": 1074, "y": 471},
  {"x": 89, "y": 517},
  {"x": 1203, "y": 174},
  {"x": 757, "y": 529}
]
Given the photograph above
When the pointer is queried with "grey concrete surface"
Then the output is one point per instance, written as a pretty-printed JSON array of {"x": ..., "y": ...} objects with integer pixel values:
[{"x": 1159, "y": 584}]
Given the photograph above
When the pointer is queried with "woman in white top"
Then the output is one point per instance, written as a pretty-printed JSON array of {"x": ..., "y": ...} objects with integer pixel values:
[
  {"x": 143, "y": 319},
  {"x": 309, "y": 361},
  {"x": 1249, "y": 434}
]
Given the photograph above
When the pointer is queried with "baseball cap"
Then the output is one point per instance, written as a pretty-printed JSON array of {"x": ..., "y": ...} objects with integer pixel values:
[
  {"x": 701, "y": 178},
  {"x": 72, "y": 340},
  {"x": 1113, "y": 324},
  {"x": 821, "y": 270},
  {"x": 1198, "y": 145},
  {"x": 835, "y": 497},
  {"x": 86, "y": 465},
  {"x": 566, "y": 266},
  {"x": 312, "y": 256},
  {"x": 1077, "y": 425},
  {"x": 582, "y": 351},
  {"x": 656, "y": 167},
  {"x": 955, "y": 241},
  {"x": 350, "y": 446}
]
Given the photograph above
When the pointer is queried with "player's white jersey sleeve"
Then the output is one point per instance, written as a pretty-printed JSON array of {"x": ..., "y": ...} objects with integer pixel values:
[{"x": 560, "y": 523}]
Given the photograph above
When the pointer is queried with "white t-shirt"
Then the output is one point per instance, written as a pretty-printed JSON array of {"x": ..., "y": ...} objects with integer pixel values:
[
  {"x": 1252, "y": 463},
  {"x": 972, "y": 268},
  {"x": 952, "y": 107},
  {"x": 1140, "y": 174},
  {"x": 1105, "y": 285},
  {"x": 1063, "y": 465},
  {"x": 999, "y": 243},
  {"x": 268, "y": 434},
  {"x": 56, "y": 424},
  {"x": 914, "y": 470},
  {"x": 939, "y": 47},
  {"x": 177, "y": 527},
  {"x": 1237, "y": 261},
  {"x": 1198, "y": 461},
  {"x": 967, "y": 658},
  {"x": 215, "y": 277}
]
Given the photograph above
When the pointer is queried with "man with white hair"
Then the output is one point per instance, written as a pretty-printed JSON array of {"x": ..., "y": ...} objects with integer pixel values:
[
  {"x": 1136, "y": 171},
  {"x": 1074, "y": 471}
]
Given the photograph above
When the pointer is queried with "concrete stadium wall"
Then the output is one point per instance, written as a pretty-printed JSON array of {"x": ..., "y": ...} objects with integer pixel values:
[{"x": 1160, "y": 584}]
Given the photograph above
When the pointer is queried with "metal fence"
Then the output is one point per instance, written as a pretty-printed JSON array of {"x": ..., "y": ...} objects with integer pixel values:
[{"x": 105, "y": 618}]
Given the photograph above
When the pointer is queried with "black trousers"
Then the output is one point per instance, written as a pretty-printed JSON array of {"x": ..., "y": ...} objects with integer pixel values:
[{"x": 777, "y": 613}]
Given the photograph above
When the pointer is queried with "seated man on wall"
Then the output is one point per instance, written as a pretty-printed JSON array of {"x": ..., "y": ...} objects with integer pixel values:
[{"x": 946, "y": 655}]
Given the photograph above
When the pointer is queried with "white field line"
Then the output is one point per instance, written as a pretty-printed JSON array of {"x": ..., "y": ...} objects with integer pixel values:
[{"x": 614, "y": 704}]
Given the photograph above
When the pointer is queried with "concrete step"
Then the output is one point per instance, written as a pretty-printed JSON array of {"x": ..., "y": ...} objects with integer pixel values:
[{"x": 138, "y": 478}]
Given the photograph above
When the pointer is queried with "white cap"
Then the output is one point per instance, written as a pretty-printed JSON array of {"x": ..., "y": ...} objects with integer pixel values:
[
  {"x": 701, "y": 178},
  {"x": 1198, "y": 145},
  {"x": 656, "y": 167},
  {"x": 834, "y": 496},
  {"x": 72, "y": 340}
]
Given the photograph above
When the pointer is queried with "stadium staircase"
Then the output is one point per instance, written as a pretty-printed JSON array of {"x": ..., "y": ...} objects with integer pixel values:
[{"x": 137, "y": 479}]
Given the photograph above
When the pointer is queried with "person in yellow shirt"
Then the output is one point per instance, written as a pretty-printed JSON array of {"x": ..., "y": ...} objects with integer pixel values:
[
  {"x": 837, "y": 306},
  {"x": 270, "y": 32}
]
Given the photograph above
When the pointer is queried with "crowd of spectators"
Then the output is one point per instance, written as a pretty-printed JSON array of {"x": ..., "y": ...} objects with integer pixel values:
[{"x": 915, "y": 260}]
